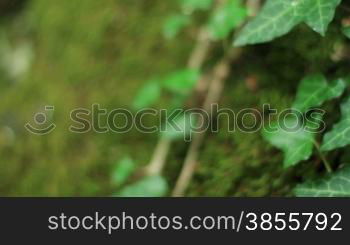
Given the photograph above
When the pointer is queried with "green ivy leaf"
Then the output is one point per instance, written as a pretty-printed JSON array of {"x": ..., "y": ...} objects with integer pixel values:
[
  {"x": 152, "y": 186},
  {"x": 123, "y": 170},
  {"x": 181, "y": 82},
  {"x": 275, "y": 19},
  {"x": 226, "y": 18},
  {"x": 319, "y": 13},
  {"x": 346, "y": 31},
  {"x": 335, "y": 185},
  {"x": 192, "y": 5},
  {"x": 339, "y": 136},
  {"x": 174, "y": 25},
  {"x": 279, "y": 17},
  {"x": 314, "y": 90},
  {"x": 148, "y": 95},
  {"x": 294, "y": 139}
]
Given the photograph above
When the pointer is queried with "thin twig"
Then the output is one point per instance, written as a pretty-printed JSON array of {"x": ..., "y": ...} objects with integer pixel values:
[
  {"x": 221, "y": 72},
  {"x": 159, "y": 156},
  {"x": 196, "y": 60},
  {"x": 253, "y": 6},
  {"x": 323, "y": 158}
]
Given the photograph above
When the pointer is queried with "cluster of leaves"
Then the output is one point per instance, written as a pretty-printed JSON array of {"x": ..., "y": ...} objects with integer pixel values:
[
  {"x": 298, "y": 143},
  {"x": 178, "y": 85},
  {"x": 277, "y": 18},
  {"x": 223, "y": 20}
]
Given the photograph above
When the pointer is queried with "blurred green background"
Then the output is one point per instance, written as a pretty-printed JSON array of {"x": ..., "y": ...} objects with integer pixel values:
[{"x": 73, "y": 54}]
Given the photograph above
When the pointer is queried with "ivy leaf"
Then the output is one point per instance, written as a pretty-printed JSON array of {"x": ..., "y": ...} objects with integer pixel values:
[
  {"x": 152, "y": 186},
  {"x": 148, "y": 95},
  {"x": 346, "y": 31},
  {"x": 276, "y": 18},
  {"x": 226, "y": 18},
  {"x": 335, "y": 185},
  {"x": 178, "y": 128},
  {"x": 192, "y": 5},
  {"x": 181, "y": 82},
  {"x": 174, "y": 25},
  {"x": 294, "y": 139},
  {"x": 314, "y": 90},
  {"x": 122, "y": 171},
  {"x": 319, "y": 13},
  {"x": 339, "y": 136}
]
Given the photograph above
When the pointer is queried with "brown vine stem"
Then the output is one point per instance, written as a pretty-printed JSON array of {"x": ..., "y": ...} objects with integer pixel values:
[
  {"x": 253, "y": 6},
  {"x": 196, "y": 60},
  {"x": 220, "y": 74}
]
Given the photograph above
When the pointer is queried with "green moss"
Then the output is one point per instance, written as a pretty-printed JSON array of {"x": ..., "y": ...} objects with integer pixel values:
[
  {"x": 240, "y": 163},
  {"x": 85, "y": 52}
]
